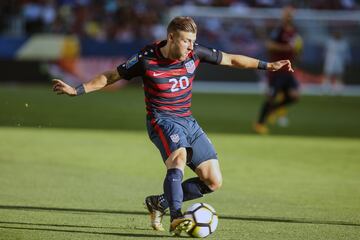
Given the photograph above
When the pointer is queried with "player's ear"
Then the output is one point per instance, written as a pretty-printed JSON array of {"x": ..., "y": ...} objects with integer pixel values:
[{"x": 171, "y": 36}]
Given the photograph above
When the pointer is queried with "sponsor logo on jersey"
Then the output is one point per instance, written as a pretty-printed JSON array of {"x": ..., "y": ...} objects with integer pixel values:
[
  {"x": 131, "y": 62},
  {"x": 175, "y": 138},
  {"x": 190, "y": 66},
  {"x": 157, "y": 74}
]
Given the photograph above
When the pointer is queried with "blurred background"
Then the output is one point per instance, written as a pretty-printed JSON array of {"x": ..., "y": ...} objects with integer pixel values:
[
  {"x": 77, "y": 39},
  {"x": 80, "y": 167}
]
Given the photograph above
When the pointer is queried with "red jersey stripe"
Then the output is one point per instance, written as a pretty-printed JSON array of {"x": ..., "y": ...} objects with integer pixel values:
[
  {"x": 162, "y": 137},
  {"x": 169, "y": 102},
  {"x": 166, "y": 73},
  {"x": 166, "y": 94}
]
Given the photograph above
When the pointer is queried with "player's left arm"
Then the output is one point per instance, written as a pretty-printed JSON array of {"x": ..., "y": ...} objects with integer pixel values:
[
  {"x": 241, "y": 61},
  {"x": 97, "y": 83}
]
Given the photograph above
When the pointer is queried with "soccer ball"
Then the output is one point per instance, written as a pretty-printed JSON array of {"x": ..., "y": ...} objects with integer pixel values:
[{"x": 205, "y": 219}]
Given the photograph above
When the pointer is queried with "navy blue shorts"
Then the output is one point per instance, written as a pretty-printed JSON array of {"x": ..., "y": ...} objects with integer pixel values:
[
  {"x": 171, "y": 133},
  {"x": 282, "y": 82}
]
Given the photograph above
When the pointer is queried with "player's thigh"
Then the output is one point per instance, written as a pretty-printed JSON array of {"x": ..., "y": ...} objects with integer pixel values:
[
  {"x": 209, "y": 172},
  {"x": 204, "y": 161},
  {"x": 274, "y": 88},
  {"x": 202, "y": 148},
  {"x": 169, "y": 138},
  {"x": 177, "y": 159}
]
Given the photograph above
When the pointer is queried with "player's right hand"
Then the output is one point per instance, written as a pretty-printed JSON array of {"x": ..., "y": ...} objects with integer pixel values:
[
  {"x": 282, "y": 64},
  {"x": 62, "y": 88}
]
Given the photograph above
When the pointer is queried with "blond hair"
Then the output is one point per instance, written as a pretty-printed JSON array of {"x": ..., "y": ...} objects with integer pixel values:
[{"x": 185, "y": 24}]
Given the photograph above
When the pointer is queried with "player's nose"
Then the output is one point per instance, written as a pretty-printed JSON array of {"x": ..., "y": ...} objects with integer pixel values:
[{"x": 191, "y": 47}]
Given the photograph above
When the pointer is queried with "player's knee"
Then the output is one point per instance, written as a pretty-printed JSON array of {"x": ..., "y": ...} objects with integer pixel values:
[
  {"x": 215, "y": 184},
  {"x": 295, "y": 98},
  {"x": 177, "y": 159}
]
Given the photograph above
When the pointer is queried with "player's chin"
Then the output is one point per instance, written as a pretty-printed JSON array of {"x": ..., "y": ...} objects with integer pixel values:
[{"x": 183, "y": 57}]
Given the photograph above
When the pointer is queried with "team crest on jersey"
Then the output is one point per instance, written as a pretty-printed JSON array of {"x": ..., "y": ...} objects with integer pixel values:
[
  {"x": 175, "y": 138},
  {"x": 131, "y": 62},
  {"x": 190, "y": 66}
]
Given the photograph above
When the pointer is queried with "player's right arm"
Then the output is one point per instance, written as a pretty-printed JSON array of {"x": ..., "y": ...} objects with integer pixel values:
[
  {"x": 133, "y": 67},
  {"x": 95, "y": 84}
]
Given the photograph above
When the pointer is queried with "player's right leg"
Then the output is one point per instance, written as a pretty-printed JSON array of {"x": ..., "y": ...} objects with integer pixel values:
[
  {"x": 266, "y": 108},
  {"x": 201, "y": 158},
  {"x": 260, "y": 126},
  {"x": 173, "y": 191},
  {"x": 168, "y": 136},
  {"x": 172, "y": 197}
]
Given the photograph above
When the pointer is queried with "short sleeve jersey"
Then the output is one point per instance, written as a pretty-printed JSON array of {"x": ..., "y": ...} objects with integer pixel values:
[{"x": 167, "y": 83}]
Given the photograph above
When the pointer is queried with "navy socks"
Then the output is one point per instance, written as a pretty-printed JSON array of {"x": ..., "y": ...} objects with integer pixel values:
[
  {"x": 173, "y": 191},
  {"x": 192, "y": 188}
]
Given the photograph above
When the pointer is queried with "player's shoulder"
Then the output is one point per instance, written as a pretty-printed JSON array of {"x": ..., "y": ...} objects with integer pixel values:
[
  {"x": 150, "y": 50},
  {"x": 200, "y": 49},
  {"x": 198, "y": 46},
  {"x": 147, "y": 52}
]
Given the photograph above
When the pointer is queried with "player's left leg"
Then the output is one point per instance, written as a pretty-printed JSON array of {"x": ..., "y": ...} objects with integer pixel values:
[
  {"x": 209, "y": 173},
  {"x": 292, "y": 95}
]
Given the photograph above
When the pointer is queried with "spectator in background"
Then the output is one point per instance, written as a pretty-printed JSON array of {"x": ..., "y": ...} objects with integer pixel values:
[
  {"x": 337, "y": 54},
  {"x": 32, "y": 13},
  {"x": 285, "y": 43}
]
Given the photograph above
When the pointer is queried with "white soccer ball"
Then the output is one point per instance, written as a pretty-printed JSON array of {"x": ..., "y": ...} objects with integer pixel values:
[{"x": 205, "y": 219}]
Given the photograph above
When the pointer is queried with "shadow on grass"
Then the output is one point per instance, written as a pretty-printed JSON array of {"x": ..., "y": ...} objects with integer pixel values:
[
  {"x": 239, "y": 218},
  {"x": 78, "y": 231}
]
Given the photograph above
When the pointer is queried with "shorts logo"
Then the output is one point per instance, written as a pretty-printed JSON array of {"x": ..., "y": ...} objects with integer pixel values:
[
  {"x": 175, "y": 138},
  {"x": 131, "y": 62},
  {"x": 190, "y": 66}
]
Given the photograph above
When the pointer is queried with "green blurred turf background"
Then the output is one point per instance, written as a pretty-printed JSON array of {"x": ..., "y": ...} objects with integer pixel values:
[{"x": 79, "y": 168}]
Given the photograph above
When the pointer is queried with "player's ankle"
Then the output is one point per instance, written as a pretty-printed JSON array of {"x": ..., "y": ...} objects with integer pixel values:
[{"x": 175, "y": 214}]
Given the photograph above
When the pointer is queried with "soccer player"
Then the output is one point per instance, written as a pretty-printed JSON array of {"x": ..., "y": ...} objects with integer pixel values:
[
  {"x": 337, "y": 55},
  {"x": 168, "y": 69},
  {"x": 284, "y": 43}
]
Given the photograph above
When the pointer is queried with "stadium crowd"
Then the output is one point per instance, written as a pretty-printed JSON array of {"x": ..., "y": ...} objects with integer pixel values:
[{"x": 121, "y": 20}]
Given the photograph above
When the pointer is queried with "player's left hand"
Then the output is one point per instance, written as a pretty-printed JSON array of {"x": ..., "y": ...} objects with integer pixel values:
[{"x": 275, "y": 66}]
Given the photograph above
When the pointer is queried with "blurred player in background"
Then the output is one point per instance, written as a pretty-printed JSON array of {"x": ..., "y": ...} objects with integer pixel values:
[
  {"x": 168, "y": 69},
  {"x": 284, "y": 43},
  {"x": 337, "y": 54}
]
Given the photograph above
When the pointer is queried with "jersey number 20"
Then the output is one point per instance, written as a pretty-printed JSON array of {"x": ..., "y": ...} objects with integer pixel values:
[{"x": 177, "y": 84}]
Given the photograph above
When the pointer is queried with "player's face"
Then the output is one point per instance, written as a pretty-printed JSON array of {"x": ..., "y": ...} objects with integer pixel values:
[
  {"x": 287, "y": 16},
  {"x": 181, "y": 44}
]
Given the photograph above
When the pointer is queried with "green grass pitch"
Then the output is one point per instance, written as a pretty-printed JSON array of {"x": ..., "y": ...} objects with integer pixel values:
[{"x": 79, "y": 168}]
